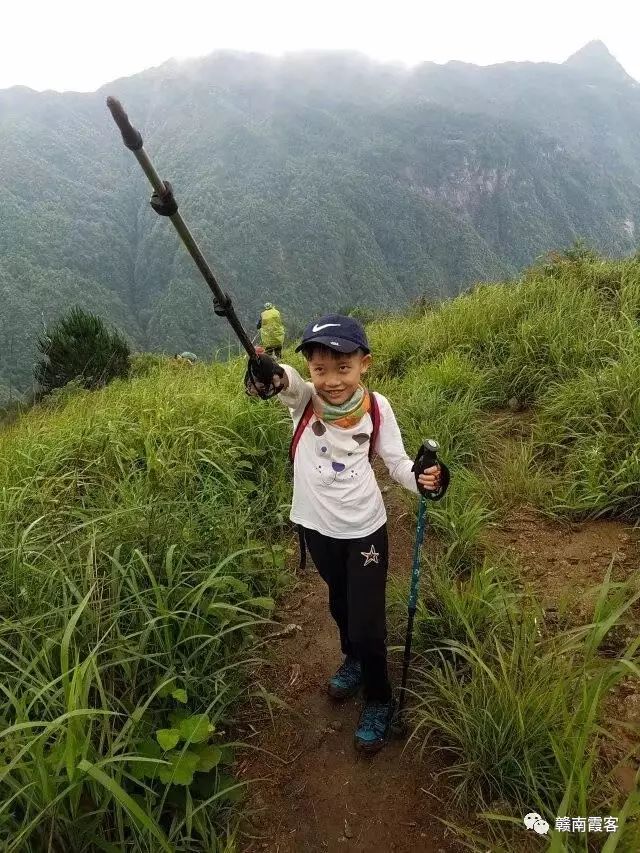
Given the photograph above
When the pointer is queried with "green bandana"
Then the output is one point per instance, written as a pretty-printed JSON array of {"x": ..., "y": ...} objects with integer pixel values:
[{"x": 347, "y": 414}]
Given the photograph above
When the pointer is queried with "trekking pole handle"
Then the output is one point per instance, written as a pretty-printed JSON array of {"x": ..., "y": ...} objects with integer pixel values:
[
  {"x": 428, "y": 453},
  {"x": 426, "y": 457},
  {"x": 131, "y": 137}
]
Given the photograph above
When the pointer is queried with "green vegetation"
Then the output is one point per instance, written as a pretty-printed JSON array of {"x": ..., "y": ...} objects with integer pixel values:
[
  {"x": 79, "y": 348},
  {"x": 518, "y": 710},
  {"x": 309, "y": 181},
  {"x": 141, "y": 553}
]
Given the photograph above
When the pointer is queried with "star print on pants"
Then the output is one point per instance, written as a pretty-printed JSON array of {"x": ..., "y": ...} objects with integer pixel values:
[{"x": 370, "y": 556}]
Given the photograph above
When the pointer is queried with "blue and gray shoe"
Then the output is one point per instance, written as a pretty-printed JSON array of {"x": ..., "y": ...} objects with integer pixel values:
[
  {"x": 347, "y": 680},
  {"x": 373, "y": 726}
]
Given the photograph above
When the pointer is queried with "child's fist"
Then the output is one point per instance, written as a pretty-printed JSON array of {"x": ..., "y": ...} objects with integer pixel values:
[
  {"x": 430, "y": 479},
  {"x": 264, "y": 377}
]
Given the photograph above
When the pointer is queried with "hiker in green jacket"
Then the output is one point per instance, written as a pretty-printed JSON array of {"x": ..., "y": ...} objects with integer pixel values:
[{"x": 271, "y": 330}]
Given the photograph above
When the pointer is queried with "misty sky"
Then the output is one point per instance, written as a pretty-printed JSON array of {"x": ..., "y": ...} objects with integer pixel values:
[{"x": 81, "y": 44}]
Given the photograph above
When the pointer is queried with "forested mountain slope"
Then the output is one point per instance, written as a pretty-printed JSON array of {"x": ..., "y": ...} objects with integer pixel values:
[{"x": 316, "y": 180}]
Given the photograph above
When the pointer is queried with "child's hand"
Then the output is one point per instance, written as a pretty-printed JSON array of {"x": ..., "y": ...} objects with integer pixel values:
[
  {"x": 264, "y": 377},
  {"x": 255, "y": 388},
  {"x": 430, "y": 479}
]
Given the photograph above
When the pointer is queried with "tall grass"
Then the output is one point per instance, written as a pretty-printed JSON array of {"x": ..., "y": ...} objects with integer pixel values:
[
  {"x": 138, "y": 559},
  {"x": 519, "y": 714},
  {"x": 518, "y": 711},
  {"x": 141, "y": 554}
]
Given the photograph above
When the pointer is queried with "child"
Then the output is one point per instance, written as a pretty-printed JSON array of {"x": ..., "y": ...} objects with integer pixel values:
[{"x": 337, "y": 502}]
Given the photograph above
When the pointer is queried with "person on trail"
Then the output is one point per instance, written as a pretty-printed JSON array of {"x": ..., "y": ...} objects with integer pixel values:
[
  {"x": 337, "y": 503},
  {"x": 271, "y": 330},
  {"x": 184, "y": 359}
]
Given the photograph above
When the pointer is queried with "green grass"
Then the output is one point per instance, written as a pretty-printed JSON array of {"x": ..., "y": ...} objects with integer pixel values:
[
  {"x": 139, "y": 558},
  {"x": 141, "y": 553},
  {"x": 517, "y": 710}
]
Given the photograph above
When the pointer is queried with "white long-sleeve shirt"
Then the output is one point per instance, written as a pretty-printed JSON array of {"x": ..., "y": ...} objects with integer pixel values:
[{"x": 334, "y": 488}]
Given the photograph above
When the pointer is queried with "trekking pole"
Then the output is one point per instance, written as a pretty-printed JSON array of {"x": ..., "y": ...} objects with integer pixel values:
[
  {"x": 427, "y": 456},
  {"x": 164, "y": 203}
]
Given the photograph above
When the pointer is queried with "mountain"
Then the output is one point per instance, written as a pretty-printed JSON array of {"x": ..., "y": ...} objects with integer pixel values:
[
  {"x": 594, "y": 60},
  {"x": 317, "y": 181}
]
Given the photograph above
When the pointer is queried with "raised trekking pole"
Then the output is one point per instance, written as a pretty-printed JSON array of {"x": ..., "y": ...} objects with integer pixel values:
[
  {"x": 427, "y": 456},
  {"x": 164, "y": 203}
]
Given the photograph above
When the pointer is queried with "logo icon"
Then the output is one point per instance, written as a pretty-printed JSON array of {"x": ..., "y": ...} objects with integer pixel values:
[
  {"x": 370, "y": 556},
  {"x": 317, "y": 328},
  {"x": 537, "y": 823}
]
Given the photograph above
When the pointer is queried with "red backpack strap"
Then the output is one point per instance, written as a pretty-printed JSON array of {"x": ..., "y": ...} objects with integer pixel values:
[
  {"x": 374, "y": 412},
  {"x": 302, "y": 425}
]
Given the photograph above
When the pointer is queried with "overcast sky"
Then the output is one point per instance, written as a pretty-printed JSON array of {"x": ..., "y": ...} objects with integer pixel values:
[{"x": 81, "y": 44}]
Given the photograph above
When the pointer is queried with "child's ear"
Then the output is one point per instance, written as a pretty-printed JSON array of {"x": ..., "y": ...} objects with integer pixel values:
[{"x": 365, "y": 364}]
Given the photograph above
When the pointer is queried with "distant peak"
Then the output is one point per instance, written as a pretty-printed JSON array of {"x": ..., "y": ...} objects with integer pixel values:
[{"x": 596, "y": 60}]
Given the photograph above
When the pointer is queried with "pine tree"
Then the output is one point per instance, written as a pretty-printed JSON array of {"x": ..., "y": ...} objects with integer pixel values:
[{"x": 80, "y": 347}]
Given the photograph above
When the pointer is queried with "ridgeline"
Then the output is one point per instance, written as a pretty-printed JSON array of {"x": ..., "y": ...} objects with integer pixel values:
[{"x": 317, "y": 180}]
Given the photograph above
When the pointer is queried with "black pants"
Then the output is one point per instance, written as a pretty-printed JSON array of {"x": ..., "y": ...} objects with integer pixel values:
[{"x": 355, "y": 571}]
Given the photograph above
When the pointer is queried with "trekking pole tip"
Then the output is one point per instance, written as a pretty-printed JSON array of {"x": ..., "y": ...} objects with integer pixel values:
[{"x": 130, "y": 136}]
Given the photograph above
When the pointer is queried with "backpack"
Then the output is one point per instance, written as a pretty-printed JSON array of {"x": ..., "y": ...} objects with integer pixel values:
[{"x": 303, "y": 423}]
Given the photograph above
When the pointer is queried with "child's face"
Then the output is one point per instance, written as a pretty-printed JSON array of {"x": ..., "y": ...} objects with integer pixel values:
[{"x": 336, "y": 376}]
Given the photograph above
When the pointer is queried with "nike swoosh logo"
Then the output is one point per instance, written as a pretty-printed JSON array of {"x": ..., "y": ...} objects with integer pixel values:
[{"x": 325, "y": 326}]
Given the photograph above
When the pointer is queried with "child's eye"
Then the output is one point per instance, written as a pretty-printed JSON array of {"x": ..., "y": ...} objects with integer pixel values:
[{"x": 344, "y": 368}]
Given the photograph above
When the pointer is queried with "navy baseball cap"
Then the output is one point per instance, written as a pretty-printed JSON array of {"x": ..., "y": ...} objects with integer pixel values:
[{"x": 340, "y": 333}]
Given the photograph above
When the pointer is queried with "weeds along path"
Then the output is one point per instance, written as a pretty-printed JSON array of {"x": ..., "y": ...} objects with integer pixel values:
[
  {"x": 563, "y": 564},
  {"x": 316, "y": 794}
]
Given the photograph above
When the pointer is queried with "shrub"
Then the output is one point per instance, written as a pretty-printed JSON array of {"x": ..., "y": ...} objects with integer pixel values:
[{"x": 80, "y": 348}]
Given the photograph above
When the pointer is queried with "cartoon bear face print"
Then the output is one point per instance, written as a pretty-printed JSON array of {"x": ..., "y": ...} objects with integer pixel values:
[{"x": 330, "y": 466}]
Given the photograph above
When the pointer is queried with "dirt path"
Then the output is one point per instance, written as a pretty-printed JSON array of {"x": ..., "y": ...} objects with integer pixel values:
[{"x": 316, "y": 794}]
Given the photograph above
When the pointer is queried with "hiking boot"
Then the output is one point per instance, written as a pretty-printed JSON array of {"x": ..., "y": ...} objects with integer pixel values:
[
  {"x": 373, "y": 726},
  {"x": 347, "y": 680}
]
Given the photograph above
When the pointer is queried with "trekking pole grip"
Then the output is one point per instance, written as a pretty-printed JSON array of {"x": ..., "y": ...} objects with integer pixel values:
[
  {"x": 429, "y": 453},
  {"x": 131, "y": 137}
]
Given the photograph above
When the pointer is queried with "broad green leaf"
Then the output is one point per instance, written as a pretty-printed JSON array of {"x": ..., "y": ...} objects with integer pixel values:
[
  {"x": 146, "y": 769},
  {"x": 196, "y": 729},
  {"x": 149, "y": 749},
  {"x": 230, "y": 789},
  {"x": 182, "y": 766},
  {"x": 278, "y": 559},
  {"x": 228, "y": 756},
  {"x": 263, "y": 602},
  {"x": 177, "y": 716},
  {"x": 210, "y": 756},
  {"x": 168, "y": 738},
  {"x": 166, "y": 688},
  {"x": 235, "y": 584},
  {"x": 180, "y": 695}
]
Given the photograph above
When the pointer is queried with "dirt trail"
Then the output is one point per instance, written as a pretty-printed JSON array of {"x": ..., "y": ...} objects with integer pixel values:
[
  {"x": 314, "y": 793},
  {"x": 321, "y": 796}
]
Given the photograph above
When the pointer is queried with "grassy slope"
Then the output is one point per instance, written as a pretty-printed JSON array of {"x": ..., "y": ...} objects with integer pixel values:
[
  {"x": 516, "y": 707},
  {"x": 139, "y": 535}
]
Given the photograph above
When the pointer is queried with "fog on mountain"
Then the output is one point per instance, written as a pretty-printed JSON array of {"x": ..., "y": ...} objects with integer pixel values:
[{"x": 316, "y": 180}]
